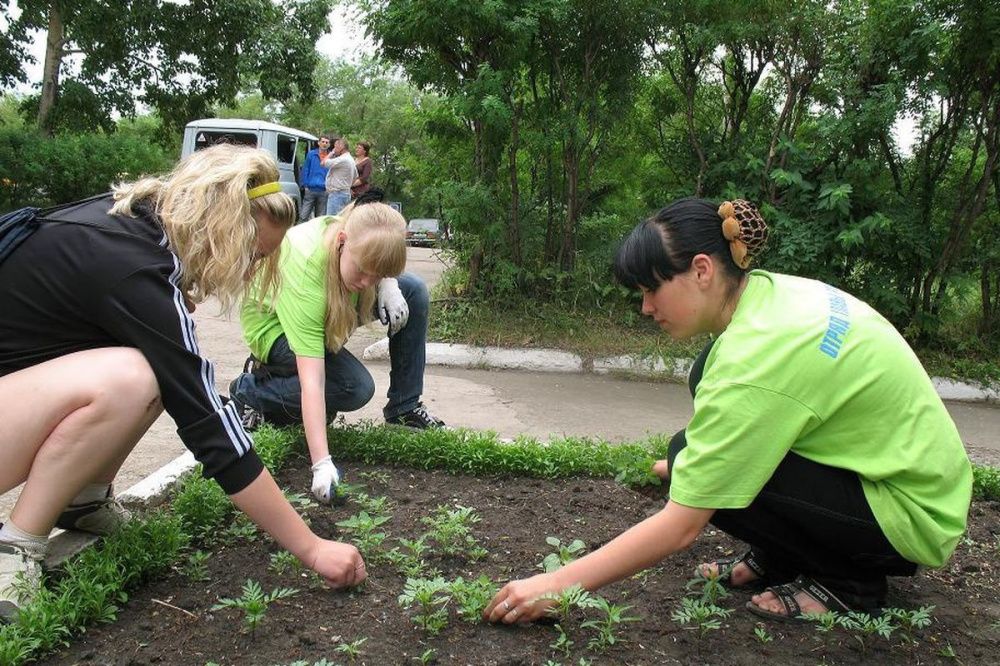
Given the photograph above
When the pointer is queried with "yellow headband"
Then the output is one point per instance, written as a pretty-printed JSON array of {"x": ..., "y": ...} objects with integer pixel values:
[{"x": 263, "y": 190}]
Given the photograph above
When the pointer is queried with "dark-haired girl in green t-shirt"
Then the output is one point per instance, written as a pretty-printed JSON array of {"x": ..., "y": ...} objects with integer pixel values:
[{"x": 817, "y": 437}]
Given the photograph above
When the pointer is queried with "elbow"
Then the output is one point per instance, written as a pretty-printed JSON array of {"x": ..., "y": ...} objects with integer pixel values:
[{"x": 688, "y": 537}]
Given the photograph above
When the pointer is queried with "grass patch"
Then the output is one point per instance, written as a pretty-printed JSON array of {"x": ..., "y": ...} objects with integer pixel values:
[{"x": 590, "y": 333}]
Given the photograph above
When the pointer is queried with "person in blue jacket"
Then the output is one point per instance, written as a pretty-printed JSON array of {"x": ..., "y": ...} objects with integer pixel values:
[{"x": 312, "y": 179}]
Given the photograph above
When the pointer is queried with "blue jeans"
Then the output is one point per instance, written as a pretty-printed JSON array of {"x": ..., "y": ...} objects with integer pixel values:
[
  {"x": 313, "y": 204},
  {"x": 275, "y": 391},
  {"x": 335, "y": 201}
]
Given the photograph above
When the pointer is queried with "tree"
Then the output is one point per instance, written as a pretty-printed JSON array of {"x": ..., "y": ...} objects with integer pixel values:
[{"x": 179, "y": 58}]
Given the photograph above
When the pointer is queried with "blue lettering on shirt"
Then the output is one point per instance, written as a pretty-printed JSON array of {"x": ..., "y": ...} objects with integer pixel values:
[{"x": 839, "y": 325}]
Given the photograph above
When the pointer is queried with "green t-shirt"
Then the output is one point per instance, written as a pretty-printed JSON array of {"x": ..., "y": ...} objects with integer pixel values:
[
  {"x": 805, "y": 367},
  {"x": 299, "y": 310}
]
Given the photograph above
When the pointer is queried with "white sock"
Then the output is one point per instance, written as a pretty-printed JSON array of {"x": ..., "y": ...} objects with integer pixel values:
[
  {"x": 94, "y": 492},
  {"x": 35, "y": 544}
]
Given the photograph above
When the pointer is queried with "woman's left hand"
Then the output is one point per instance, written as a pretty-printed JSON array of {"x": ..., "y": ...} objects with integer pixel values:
[{"x": 523, "y": 601}]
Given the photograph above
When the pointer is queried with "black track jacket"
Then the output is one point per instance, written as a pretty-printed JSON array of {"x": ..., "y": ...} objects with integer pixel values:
[{"x": 86, "y": 280}]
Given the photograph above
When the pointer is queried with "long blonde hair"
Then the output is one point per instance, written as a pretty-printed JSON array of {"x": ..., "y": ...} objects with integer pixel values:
[
  {"x": 377, "y": 234},
  {"x": 209, "y": 219}
]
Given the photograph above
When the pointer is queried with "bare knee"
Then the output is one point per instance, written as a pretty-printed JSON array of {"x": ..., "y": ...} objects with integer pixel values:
[{"x": 128, "y": 384}]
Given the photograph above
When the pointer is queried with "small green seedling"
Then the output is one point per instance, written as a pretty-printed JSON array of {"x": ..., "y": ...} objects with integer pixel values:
[
  {"x": 566, "y": 601},
  {"x": 563, "y": 555},
  {"x": 363, "y": 526},
  {"x": 563, "y": 643},
  {"x": 606, "y": 626},
  {"x": 702, "y": 617},
  {"x": 376, "y": 477},
  {"x": 430, "y": 596},
  {"x": 471, "y": 597},
  {"x": 301, "y": 501},
  {"x": 283, "y": 561},
  {"x": 863, "y": 626},
  {"x": 451, "y": 530},
  {"x": 408, "y": 558},
  {"x": 761, "y": 633},
  {"x": 352, "y": 649},
  {"x": 948, "y": 652},
  {"x": 911, "y": 621},
  {"x": 376, "y": 506},
  {"x": 254, "y": 603},
  {"x": 428, "y": 656},
  {"x": 196, "y": 567},
  {"x": 708, "y": 587},
  {"x": 242, "y": 528}
]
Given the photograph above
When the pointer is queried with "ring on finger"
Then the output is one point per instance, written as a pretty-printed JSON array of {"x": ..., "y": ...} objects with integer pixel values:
[{"x": 506, "y": 606}]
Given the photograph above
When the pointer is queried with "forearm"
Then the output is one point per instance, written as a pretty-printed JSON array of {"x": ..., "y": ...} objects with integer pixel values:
[
  {"x": 640, "y": 547},
  {"x": 314, "y": 421},
  {"x": 267, "y": 507}
]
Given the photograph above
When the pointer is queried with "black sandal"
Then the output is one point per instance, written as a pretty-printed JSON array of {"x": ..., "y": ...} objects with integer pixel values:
[
  {"x": 793, "y": 612},
  {"x": 725, "y": 569}
]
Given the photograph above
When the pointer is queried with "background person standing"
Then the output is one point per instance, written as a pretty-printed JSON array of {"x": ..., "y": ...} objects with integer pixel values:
[
  {"x": 313, "y": 181},
  {"x": 364, "y": 165},
  {"x": 340, "y": 175}
]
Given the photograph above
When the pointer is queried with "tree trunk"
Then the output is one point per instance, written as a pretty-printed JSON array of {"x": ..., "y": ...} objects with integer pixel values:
[
  {"x": 50, "y": 74},
  {"x": 514, "y": 228},
  {"x": 567, "y": 253}
]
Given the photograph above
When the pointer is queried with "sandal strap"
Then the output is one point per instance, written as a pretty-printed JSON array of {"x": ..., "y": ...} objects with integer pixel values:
[
  {"x": 750, "y": 559},
  {"x": 822, "y": 594},
  {"x": 786, "y": 595}
]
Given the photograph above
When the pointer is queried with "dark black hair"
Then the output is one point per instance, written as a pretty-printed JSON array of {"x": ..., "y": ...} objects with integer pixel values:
[{"x": 664, "y": 245}]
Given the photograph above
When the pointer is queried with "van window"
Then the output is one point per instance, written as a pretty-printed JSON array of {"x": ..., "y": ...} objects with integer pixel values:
[
  {"x": 205, "y": 138},
  {"x": 286, "y": 149}
]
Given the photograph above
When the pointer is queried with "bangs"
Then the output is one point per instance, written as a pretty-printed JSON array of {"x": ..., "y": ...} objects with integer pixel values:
[
  {"x": 381, "y": 253},
  {"x": 642, "y": 259}
]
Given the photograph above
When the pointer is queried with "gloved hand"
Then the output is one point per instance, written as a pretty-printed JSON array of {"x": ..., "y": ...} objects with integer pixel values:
[
  {"x": 325, "y": 478},
  {"x": 392, "y": 308}
]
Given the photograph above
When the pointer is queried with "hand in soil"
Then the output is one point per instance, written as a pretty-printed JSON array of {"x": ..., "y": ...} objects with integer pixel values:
[
  {"x": 521, "y": 600},
  {"x": 661, "y": 468},
  {"x": 339, "y": 564}
]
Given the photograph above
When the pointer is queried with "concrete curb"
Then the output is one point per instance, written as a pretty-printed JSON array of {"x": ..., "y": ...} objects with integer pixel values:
[{"x": 553, "y": 360}]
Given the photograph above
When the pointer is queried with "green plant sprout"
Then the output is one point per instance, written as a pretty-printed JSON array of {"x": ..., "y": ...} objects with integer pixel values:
[
  {"x": 451, "y": 530},
  {"x": 196, "y": 567},
  {"x": 566, "y": 601},
  {"x": 254, "y": 603},
  {"x": 863, "y": 626},
  {"x": 606, "y": 626},
  {"x": 240, "y": 528},
  {"x": 911, "y": 621},
  {"x": 563, "y": 554},
  {"x": 702, "y": 617},
  {"x": 363, "y": 526},
  {"x": 709, "y": 587},
  {"x": 471, "y": 597},
  {"x": 376, "y": 506},
  {"x": 283, "y": 561},
  {"x": 948, "y": 652},
  {"x": 563, "y": 643},
  {"x": 352, "y": 649},
  {"x": 376, "y": 476},
  {"x": 761, "y": 633},
  {"x": 430, "y": 596},
  {"x": 428, "y": 656},
  {"x": 301, "y": 501},
  {"x": 408, "y": 558}
]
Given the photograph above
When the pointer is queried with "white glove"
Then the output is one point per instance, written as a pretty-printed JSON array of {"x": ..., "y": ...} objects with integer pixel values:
[
  {"x": 325, "y": 478},
  {"x": 392, "y": 308}
]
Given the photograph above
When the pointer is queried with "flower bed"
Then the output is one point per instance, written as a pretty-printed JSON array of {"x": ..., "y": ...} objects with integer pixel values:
[{"x": 439, "y": 543}]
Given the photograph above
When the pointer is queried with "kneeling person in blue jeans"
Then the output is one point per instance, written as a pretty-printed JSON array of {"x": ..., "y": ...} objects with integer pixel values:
[{"x": 336, "y": 272}]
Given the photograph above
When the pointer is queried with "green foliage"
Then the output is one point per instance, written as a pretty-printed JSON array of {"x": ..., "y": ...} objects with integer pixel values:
[
  {"x": 409, "y": 560},
  {"x": 202, "y": 507},
  {"x": 985, "y": 483},
  {"x": 481, "y": 453},
  {"x": 563, "y": 555},
  {"x": 365, "y": 535},
  {"x": 430, "y": 596},
  {"x": 39, "y": 171},
  {"x": 572, "y": 597},
  {"x": 911, "y": 621},
  {"x": 254, "y": 603},
  {"x": 451, "y": 529},
  {"x": 471, "y": 597},
  {"x": 352, "y": 649},
  {"x": 709, "y": 587},
  {"x": 703, "y": 617},
  {"x": 196, "y": 566},
  {"x": 761, "y": 634},
  {"x": 606, "y": 626},
  {"x": 283, "y": 561}
]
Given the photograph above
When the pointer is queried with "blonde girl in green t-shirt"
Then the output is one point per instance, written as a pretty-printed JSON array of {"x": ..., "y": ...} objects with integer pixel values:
[
  {"x": 817, "y": 438},
  {"x": 337, "y": 272}
]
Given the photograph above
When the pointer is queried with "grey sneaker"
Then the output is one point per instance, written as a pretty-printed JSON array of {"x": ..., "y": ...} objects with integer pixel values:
[
  {"x": 101, "y": 518},
  {"x": 20, "y": 578}
]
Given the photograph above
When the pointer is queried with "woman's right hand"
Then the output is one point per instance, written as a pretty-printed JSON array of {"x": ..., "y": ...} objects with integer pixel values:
[
  {"x": 524, "y": 600},
  {"x": 339, "y": 564}
]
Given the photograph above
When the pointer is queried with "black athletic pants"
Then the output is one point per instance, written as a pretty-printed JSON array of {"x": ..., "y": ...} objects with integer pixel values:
[{"x": 811, "y": 519}]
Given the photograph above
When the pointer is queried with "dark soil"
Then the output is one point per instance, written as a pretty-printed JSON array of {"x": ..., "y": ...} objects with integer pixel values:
[{"x": 517, "y": 515}]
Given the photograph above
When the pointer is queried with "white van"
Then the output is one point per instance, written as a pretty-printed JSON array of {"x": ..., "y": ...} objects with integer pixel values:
[{"x": 288, "y": 145}]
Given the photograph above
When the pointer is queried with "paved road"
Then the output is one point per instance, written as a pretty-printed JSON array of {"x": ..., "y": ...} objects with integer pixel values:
[{"x": 510, "y": 403}]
